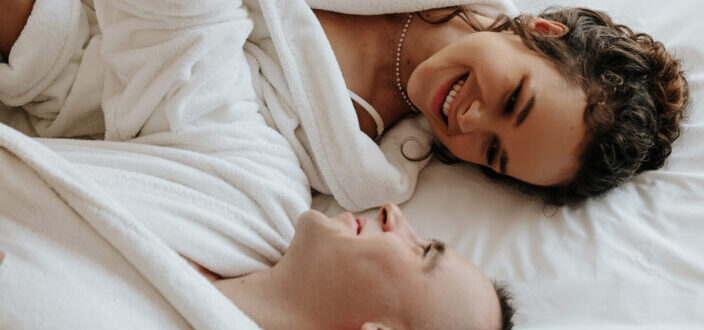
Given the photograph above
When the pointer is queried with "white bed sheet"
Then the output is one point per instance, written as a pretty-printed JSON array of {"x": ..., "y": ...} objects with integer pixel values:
[{"x": 634, "y": 259}]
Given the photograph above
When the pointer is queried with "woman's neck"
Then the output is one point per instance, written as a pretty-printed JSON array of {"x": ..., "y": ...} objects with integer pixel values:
[{"x": 366, "y": 49}]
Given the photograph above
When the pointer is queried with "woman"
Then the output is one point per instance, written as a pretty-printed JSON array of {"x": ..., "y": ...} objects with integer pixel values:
[{"x": 566, "y": 105}]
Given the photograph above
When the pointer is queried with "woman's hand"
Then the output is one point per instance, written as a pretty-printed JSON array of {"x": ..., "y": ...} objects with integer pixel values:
[{"x": 13, "y": 17}]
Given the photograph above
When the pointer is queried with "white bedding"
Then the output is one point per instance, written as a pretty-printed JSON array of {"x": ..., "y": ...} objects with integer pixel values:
[
  {"x": 634, "y": 259},
  {"x": 630, "y": 260}
]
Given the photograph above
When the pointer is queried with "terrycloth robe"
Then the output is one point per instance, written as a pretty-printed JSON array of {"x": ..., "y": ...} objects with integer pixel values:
[{"x": 77, "y": 75}]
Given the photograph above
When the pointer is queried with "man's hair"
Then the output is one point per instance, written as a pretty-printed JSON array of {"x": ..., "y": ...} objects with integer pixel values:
[{"x": 506, "y": 304}]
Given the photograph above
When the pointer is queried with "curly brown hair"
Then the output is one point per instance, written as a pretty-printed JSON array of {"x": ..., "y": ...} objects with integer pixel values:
[{"x": 636, "y": 96}]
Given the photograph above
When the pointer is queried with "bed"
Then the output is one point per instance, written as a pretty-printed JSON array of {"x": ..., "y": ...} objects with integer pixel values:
[{"x": 633, "y": 259}]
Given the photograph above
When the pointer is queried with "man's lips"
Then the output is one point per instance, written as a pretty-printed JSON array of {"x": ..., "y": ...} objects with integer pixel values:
[{"x": 360, "y": 224}]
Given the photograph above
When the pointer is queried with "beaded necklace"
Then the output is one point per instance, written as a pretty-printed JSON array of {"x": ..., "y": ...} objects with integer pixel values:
[{"x": 397, "y": 69}]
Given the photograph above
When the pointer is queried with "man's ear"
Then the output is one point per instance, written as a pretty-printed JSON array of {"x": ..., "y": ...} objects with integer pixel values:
[
  {"x": 374, "y": 326},
  {"x": 548, "y": 28}
]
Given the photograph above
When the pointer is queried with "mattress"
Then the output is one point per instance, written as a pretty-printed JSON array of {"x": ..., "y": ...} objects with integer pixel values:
[{"x": 632, "y": 259}]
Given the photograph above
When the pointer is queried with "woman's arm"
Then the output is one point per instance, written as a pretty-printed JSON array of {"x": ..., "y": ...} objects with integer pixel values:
[{"x": 13, "y": 16}]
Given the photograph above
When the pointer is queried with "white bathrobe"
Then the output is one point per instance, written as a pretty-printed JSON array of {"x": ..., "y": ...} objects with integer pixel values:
[{"x": 67, "y": 63}]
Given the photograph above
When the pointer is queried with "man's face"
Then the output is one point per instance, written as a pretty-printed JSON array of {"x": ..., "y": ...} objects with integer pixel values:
[{"x": 378, "y": 270}]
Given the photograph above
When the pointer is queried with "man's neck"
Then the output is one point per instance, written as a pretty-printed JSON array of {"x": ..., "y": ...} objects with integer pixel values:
[{"x": 268, "y": 299}]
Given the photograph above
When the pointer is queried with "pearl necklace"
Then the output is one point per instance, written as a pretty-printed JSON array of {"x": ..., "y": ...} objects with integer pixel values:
[{"x": 398, "y": 65}]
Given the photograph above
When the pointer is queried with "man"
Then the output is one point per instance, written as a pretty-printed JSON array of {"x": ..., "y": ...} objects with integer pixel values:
[{"x": 359, "y": 273}]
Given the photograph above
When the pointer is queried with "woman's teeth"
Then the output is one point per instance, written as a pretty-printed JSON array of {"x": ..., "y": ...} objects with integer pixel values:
[{"x": 451, "y": 96}]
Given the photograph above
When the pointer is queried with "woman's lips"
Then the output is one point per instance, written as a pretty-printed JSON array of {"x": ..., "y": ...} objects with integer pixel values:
[{"x": 440, "y": 96}]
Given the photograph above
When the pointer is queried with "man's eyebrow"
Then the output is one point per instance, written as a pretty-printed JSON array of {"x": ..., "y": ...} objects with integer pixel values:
[{"x": 437, "y": 250}]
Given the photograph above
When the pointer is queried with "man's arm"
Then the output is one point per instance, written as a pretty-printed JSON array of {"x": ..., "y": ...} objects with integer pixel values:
[{"x": 13, "y": 17}]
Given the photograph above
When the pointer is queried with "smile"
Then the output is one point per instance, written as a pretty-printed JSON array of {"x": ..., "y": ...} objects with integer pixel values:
[{"x": 445, "y": 97}]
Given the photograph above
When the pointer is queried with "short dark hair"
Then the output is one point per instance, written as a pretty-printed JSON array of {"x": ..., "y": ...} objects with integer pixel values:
[
  {"x": 636, "y": 96},
  {"x": 506, "y": 304}
]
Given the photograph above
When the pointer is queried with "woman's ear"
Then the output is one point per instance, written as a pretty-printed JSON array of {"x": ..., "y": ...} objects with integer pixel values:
[
  {"x": 374, "y": 326},
  {"x": 548, "y": 28}
]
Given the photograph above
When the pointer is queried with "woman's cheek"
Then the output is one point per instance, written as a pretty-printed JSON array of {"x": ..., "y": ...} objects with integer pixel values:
[{"x": 465, "y": 149}]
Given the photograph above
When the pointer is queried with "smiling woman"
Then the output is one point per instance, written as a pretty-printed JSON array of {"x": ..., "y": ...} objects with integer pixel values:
[
  {"x": 565, "y": 105},
  {"x": 512, "y": 106}
]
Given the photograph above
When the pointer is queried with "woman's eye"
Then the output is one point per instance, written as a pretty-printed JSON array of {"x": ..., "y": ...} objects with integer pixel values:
[
  {"x": 492, "y": 151},
  {"x": 511, "y": 103}
]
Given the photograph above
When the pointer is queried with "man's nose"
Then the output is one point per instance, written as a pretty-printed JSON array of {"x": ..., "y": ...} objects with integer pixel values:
[
  {"x": 393, "y": 220},
  {"x": 390, "y": 217}
]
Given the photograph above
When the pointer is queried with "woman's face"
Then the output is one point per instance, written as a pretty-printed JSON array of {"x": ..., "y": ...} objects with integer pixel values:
[
  {"x": 512, "y": 110},
  {"x": 380, "y": 271}
]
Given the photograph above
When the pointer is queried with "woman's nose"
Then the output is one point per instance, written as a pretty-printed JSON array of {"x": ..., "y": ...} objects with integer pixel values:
[{"x": 472, "y": 117}]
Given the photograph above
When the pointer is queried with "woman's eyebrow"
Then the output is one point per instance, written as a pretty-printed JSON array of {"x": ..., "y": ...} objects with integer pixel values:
[
  {"x": 503, "y": 162},
  {"x": 526, "y": 111},
  {"x": 437, "y": 251}
]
